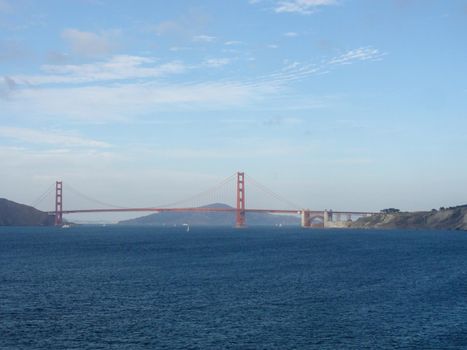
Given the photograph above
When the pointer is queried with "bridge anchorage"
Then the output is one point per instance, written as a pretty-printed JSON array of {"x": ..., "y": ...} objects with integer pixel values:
[
  {"x": 309, "y": 218},
  {"x": 329, "y": 218}
]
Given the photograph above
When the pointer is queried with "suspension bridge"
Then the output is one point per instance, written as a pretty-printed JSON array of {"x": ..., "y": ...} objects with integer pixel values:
[{"x": 309, "y": 218}]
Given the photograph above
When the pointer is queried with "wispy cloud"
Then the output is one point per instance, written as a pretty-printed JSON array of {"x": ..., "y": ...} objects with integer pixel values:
[
  {"x": 31, "y": 163},
  {"x": 291, "y": 34},
  {"x": 360, "y": 54},
  {"x": 117, "y": 68},
  {"x": 188, "y": 25},
  {"x": 280, "y": 121},
  {"x": 204, "y": 38},
  {"x": 49, "y": 138},
  {"x": 293, "y": 71},
  {"x": 7, "y": 87},
  {"x": 180, "y": 48},
  {"x": 125, "y": 102},
  {"x": 55, "y": 57},
  {"x": 302, "y": 6},
  {"x": 217, "y": 62},
  {"x": 89, "y": 43},
  {"x": 129, "y": 98},
  {"x": 233, "y": 42}
]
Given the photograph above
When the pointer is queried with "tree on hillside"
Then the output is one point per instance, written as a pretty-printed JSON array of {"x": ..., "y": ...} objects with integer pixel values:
[{"x": 390, "y": 211}]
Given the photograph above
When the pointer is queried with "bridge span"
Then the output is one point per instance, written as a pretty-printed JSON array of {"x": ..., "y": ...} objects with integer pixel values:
[{"x": 309, "y": 218}]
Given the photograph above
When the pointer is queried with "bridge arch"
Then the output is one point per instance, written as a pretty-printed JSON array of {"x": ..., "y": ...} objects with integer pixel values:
[
  {"x": 317, "y": 218},
  {"x": 313, "y": 218},
  {"x": 316, "y": 221}
]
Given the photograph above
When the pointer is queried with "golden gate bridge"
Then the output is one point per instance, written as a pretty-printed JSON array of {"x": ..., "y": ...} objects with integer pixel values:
[{"x": 328, "y": 218}]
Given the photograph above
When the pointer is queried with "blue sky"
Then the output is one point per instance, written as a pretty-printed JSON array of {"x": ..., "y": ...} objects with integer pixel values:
[{"x": 343, "y": 104}]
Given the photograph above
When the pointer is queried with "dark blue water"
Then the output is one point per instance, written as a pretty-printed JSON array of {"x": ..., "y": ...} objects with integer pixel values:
[{"x": 148, "y": 288}]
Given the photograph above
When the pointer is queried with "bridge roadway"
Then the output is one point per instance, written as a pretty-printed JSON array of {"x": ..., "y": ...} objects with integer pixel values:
[{"x": 206, "y": 210}]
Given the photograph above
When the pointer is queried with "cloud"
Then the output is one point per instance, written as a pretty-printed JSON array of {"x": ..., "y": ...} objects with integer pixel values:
[
  {"x": 137, "y": 100},
  {"x": 204, "y": 38},
  {"x": 186, "y": 26},
  {"x": 10, "y": 83},
  {"x": 50, "y": 138},
  {"x": 217, "y": 62},
  {"x": 118, "y": 67},
  {"x": 89, "y": 43},
  {"x": 233, "y": 42},
  {"x": 359, "y": 54},
  {"x": 131, "y": 91},
  {"x": 54, "y": 57},
  {"x": 302, "y": 6},
  {"x": 48, "y": 165},
  {"x": 180, "y": 48},
  {"x": 126, "y": 102},
  {"x": 291, "y": 34},
  {"x": 8, "y": 86},
  {"x": 293, "y": 71}
]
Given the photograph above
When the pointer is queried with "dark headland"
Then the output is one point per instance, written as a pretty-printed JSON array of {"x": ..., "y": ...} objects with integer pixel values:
[
  {"x": 453, "y": 218},
  {"x": 15, "y": 214}
]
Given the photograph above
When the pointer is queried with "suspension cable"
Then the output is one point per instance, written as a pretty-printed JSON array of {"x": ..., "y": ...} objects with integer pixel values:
[
  {"x": 272, "y": 193},
  {"x": 75, "y": 191},
  {"x": 39, "y": 199},
  {"x": 191, "y": 198},
  {"x": 201, "y": 194}
]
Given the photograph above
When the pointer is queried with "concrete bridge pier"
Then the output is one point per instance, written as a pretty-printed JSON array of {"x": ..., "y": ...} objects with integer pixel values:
[
  {"x": 306, "y": 218},
  {"x": 337, "y": 220},
  {"x": 328, "y": 218}
]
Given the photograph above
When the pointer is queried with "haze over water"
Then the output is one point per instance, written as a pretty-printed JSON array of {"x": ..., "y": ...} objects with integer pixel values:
[{"x": 270, "y": 288}]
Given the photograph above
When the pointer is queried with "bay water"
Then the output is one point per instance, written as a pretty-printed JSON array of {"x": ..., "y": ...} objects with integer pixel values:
[{"x": 220, "y": 288}]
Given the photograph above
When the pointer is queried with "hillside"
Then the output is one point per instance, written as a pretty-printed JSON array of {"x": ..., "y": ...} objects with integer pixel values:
[
  {"x": 211, "y": 219},
  {"x": 454, "y": 218},
  {"x": 15, "y": 214}
]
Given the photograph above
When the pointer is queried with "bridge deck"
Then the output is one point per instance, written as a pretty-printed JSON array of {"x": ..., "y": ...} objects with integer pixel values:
[{"x": 205, "y": 210}]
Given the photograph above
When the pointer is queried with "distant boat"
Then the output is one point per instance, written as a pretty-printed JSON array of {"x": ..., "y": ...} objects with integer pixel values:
[
  {"x": 66, "y": 226},
  {"x": 187, "y": 227}
]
